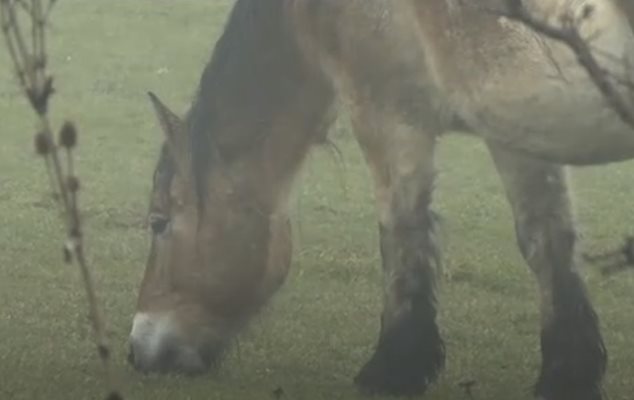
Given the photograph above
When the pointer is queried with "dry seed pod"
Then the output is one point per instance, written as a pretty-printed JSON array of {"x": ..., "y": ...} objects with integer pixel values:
[
  {"x": 42, "y": 144},
  {"x": 68, "y": 135}
]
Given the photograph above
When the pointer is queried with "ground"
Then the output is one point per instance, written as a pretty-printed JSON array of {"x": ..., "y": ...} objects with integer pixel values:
[{"x": 323, "y": 324}]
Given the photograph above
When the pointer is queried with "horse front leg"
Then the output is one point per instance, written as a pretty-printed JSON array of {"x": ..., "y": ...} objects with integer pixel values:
[
  {"x": 573, "y": 354},
  {"x": 410, "y": 351}
]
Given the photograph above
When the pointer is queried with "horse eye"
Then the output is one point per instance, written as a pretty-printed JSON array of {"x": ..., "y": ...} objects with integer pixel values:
[{"x": 158, "y": 223}]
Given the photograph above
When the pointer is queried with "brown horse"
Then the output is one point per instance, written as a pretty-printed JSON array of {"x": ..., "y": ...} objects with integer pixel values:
[{"x": 408, "y": 70}]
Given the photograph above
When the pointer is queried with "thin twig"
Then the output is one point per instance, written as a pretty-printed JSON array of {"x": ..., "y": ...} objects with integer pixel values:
[
  {"x": 614, "y": 261},
  {"x": 569, "y": 34},
  {"x": 30, "y": 68},
  {"x": 13, "y": 52}
]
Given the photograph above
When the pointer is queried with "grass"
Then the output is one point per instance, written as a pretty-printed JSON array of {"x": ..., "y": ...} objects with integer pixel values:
[{"x": 323, "y": 324}]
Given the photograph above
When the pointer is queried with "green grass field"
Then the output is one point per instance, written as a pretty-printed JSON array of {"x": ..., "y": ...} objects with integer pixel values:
[{"x": 322, "y": 326}]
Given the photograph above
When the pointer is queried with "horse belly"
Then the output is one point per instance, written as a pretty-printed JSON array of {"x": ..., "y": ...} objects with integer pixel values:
[
  {"x": 570, "y": 126},
  {"x": 540, "y": 101}
]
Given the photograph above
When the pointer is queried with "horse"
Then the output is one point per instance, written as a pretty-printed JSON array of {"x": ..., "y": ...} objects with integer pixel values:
[{"x": 406, "y": 72}]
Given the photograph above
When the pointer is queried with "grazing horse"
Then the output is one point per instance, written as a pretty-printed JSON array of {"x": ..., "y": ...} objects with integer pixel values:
[{"x": 408, "y": 71}]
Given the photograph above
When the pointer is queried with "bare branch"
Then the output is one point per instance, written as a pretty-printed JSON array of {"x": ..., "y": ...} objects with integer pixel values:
[
  {"x": 568, "y": 33},
  {"x": 615, "y": 261},
  {"x": 30, "y": 68}
]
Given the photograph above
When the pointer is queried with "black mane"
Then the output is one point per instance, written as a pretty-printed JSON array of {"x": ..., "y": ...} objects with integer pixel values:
[{"x": 254, "y": 71}]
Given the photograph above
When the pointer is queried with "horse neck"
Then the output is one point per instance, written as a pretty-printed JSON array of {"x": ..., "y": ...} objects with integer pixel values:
[{"x": 259, "y": 100}]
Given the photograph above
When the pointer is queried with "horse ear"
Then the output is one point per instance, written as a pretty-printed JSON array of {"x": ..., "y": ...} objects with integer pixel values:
[{"x": 175, "y": 133}]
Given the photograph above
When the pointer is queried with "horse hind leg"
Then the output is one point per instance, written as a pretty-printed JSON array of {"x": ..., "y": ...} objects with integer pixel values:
[
  {"x": 573, "y": 354},
  {"x": 410, "y": 351}
]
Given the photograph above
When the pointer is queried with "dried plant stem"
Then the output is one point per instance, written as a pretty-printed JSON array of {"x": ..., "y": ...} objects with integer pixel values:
[{"x": 30, "y": 67}]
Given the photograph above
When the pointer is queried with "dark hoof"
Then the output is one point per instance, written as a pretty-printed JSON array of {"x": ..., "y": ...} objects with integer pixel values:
[
  {"x": 407, "y": 360},
  {"x": 574, "y": 357},
  {"x": 376, "y": 379}
]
